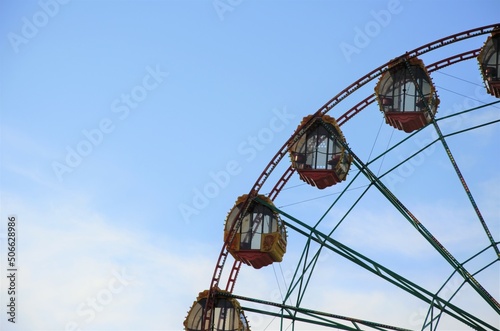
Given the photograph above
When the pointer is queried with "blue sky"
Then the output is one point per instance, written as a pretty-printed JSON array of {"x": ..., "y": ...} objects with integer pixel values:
[{"x": 129, "y": 128}]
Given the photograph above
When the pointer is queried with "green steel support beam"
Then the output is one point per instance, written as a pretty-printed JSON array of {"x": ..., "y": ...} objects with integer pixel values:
[
  {"x": 315, "y": 316},
  {"x": 477, "y": 286},
  {"x": 421, "y": 228},
  {"x": 383, "y": 272}
]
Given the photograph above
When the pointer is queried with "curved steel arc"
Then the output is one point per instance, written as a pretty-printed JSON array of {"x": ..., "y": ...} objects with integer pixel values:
[
  {"x": 323, "y": 110},
  {"x": 417, "y": 51},
  {"x": 341, "y": 120},
  {"x": 452, "y": 39},
  {"x": 430, "y": 68},
  {"x": 363, "y": 81},
  {"x": 354, "y": 111}
]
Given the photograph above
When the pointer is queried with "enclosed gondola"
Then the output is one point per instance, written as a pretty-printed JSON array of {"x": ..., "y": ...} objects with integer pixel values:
[
  {"x": 226, "y": 314},
  {"x": 406, "y": 95},
  {"x": 256, "y": 236},
  {"x": 489, "y": 63},
  {"x": 319, "y": 155}
]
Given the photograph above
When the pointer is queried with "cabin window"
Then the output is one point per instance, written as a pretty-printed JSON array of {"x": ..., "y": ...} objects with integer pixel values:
[
  {"x": 401, "y": 93},
  {"x": 260, "y": 221},
  {"x": 320, "y": 149}
]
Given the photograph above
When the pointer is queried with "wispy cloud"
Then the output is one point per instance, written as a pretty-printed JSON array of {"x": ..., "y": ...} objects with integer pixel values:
[{"x": 80, "y": 269}]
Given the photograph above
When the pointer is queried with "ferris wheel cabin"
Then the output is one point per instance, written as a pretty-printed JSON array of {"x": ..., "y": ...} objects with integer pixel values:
[
  {"x": 406, "y": 95},
  {"x": 489, "y": 63},
  {"x": 226, "y": 315},
  {"x": 260, "y": 238},
  {"x": 319, "y": 156}
]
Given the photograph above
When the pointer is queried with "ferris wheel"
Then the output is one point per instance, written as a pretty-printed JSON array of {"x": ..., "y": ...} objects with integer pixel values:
[{"x": 318, "y": 157}]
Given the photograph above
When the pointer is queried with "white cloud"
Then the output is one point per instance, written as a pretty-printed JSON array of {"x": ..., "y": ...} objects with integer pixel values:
[{"x": 78, "y": 269}]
